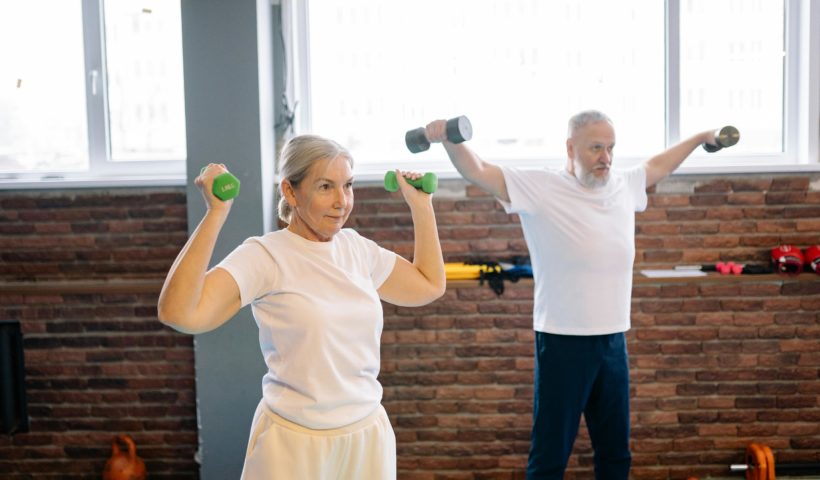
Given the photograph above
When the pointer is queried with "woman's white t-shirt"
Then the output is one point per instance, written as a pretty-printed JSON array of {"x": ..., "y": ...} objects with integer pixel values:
[{"x": 320, "y": 321}]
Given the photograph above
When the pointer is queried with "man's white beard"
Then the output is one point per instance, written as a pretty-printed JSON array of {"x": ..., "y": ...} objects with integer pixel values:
[{"x": 588, "y": 177}]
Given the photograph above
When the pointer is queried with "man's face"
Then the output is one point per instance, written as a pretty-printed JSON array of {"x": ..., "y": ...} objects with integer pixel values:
[{"x": 590, "y": 153}]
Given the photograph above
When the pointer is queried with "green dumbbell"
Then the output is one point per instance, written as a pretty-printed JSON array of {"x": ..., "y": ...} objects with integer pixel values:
[
  {"x": 226, "y": 186},
  {"x": 428, "y": 183}
]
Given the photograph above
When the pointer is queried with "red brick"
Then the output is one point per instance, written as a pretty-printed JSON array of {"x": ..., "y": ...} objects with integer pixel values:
[{"x": 668, "y": 200}]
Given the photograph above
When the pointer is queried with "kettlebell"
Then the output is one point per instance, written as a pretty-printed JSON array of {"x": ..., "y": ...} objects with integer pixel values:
[{"x": 124, "y": 466}]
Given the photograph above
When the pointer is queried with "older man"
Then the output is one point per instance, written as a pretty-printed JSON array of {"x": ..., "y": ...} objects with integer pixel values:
[{"x": 579, "y": 225}]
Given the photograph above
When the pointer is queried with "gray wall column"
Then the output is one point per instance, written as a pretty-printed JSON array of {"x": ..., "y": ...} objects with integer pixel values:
[{"x": 227, "y": 49}]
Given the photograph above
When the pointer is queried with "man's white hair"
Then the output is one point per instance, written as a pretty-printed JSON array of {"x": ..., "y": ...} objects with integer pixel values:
[{"x": 581, "y": 119}]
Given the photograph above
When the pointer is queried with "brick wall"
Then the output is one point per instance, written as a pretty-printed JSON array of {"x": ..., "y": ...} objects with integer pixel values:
[
  {"x": 78, "y": 235},
  {"x": 98, "y": 362},
  {"x": 715, "y": 364}
]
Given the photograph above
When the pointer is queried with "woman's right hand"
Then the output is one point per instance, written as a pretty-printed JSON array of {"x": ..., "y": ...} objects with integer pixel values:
[
  {"x": 194, "y": 299},
  {"x": 205, "y": 183}
]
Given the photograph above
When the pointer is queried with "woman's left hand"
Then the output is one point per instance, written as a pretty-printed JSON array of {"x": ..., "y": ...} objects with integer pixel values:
[{"x": 412, "y": 195}]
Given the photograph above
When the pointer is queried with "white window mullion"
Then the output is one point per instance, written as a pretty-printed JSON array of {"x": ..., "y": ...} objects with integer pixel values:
[
  {"x": 791, "y": 75},
  {"x": 810, "y": 81},
  {"x": 96, "y": 105},
  {"x": 803, "y": 97},
  {"x": 672, "y": 43},
  {"x": 297, "y": 52}
]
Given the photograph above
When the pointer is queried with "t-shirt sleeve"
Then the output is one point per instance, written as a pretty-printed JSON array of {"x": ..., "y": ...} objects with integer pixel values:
[
  {"x": 380, "y": 261},
  {"x": 252, "y": 268},
  {"x": 636, "y": 184},
  {"x": 521, "y": 190}
]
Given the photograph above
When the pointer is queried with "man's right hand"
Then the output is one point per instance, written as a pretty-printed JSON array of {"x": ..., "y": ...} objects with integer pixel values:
[
  {"x": 483, "y": 174},
  {"x": 436, "y": 131}
]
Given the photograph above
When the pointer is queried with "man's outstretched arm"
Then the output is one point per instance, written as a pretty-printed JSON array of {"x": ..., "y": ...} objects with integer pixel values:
[
  {"x": 475, "y": 170},
  {"x": 664, "y": 163}
]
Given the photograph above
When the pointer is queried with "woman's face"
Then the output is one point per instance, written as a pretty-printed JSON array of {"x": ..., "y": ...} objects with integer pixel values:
[{"x": 322, "y": 201}]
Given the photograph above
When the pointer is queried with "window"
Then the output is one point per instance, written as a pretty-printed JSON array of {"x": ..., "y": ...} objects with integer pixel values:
[
  {"x": 143, "y": 43},
  {"x": 737, "y": 74},
  {"x": 365, "y": 71},
  {"x": 91, "y": 89}
]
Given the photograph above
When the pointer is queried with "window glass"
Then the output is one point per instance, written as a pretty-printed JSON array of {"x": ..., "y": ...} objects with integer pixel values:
[
  {"x": 518, "y": 69},
  {"x": 732, "y": 70},
  {"x": 43, "y": 125},
  {"x": 143, "y": 45}
]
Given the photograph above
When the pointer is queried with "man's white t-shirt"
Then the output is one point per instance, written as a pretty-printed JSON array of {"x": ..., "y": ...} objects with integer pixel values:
[
  {"x": 582, "y": 247},
  {"x": 320, "y": 321}
]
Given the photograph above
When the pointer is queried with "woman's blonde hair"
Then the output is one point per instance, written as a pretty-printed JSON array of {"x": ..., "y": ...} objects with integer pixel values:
[{"x": 298, "y": 155}]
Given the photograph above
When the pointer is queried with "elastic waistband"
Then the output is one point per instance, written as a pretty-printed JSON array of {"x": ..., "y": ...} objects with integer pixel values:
[{"x": 367, "y": 421}]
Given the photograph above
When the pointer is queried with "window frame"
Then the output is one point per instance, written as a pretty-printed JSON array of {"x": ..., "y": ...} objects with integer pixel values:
[
  {"x": 102, "y": 171},
  {"x": 801, "y": 103}
]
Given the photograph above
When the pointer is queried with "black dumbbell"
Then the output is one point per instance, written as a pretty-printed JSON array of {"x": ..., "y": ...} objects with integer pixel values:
[
  {"x": 459, "y": 129},
  {"x": 726, "y": 137}
]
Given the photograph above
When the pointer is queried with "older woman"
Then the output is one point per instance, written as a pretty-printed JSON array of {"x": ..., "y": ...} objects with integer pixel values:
[{"x": 315, "y": 289}]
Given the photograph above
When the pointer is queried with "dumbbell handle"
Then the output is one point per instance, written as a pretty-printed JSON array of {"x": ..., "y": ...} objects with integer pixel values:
[{"x": 428, "y": 183}]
